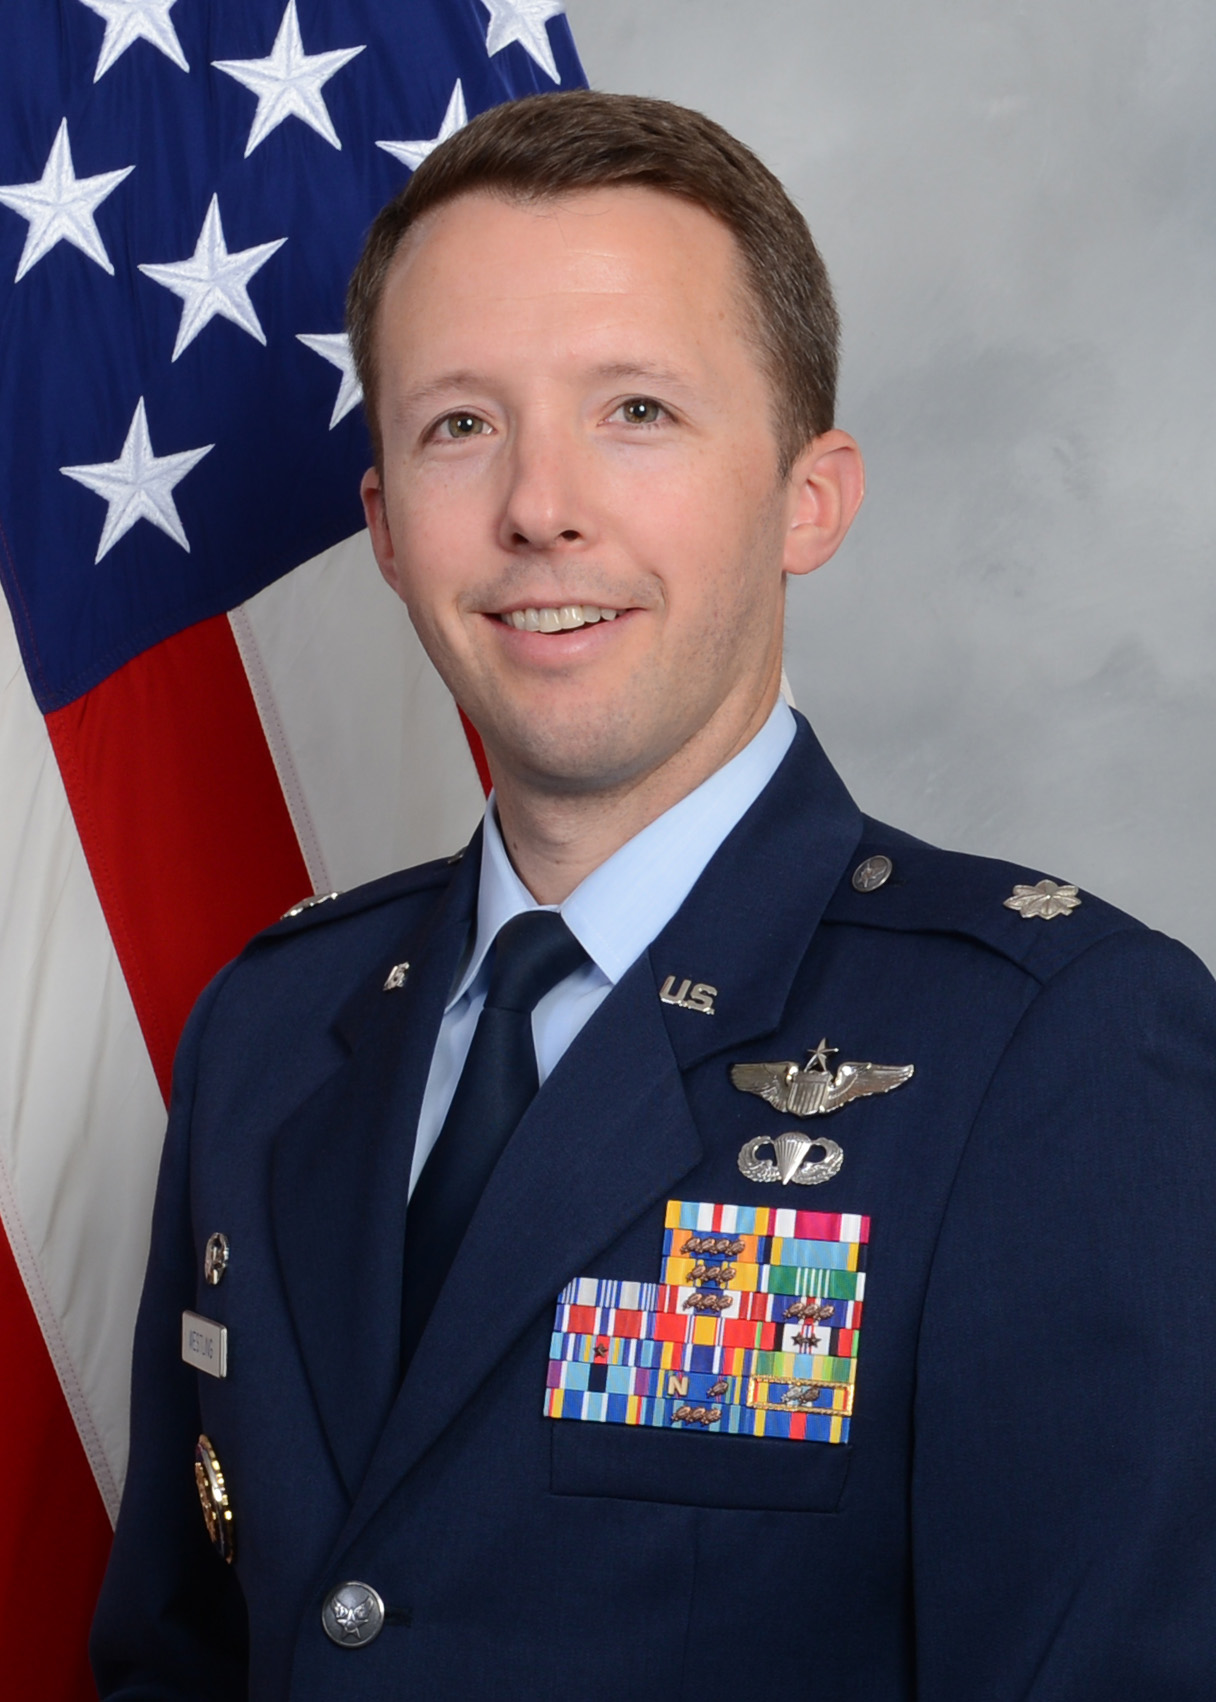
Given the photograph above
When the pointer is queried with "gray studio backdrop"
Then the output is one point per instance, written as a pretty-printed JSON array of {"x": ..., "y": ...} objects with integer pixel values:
[{"x": 1014, "y": 651}]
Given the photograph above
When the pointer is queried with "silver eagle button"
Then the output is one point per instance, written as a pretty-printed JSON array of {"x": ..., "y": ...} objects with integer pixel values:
[
  {"x": 353, "y": 1615},
  {"x": 875, "y": 872}
]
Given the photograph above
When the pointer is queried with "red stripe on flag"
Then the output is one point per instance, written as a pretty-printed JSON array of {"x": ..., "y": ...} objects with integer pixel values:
[
  {"x": 182, "y": 819},
  {"x": 54, "y": 1533},
  {"x": 478, "y": 752}
]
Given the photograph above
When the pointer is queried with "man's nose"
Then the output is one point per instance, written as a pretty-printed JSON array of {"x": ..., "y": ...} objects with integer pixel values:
[{"x": 545, "y": 504}]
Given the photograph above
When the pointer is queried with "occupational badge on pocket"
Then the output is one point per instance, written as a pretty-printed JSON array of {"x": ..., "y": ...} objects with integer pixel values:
[{"x": 752, "y": 1328}]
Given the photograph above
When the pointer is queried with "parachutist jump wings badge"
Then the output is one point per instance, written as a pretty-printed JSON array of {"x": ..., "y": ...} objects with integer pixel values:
[{"x": 809, "y": 1090}]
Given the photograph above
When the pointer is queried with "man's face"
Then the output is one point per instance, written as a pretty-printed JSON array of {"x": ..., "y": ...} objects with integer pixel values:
[{"x": 578, "y": 435}]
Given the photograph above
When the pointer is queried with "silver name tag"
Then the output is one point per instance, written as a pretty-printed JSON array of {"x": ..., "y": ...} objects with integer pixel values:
[{"x": 205, "y": 1344}]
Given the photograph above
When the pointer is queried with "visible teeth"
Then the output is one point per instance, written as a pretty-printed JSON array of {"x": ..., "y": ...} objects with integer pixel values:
[{"x": 564, "y": 619}]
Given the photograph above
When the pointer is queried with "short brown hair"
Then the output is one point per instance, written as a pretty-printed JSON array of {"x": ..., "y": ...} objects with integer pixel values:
[{"x": 551, "y": 145}]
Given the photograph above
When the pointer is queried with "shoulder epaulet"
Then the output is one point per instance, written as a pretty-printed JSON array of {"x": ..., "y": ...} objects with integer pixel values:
[
  {"x": 323, "y": 908},
  {"x": 1035, "y": 920}
]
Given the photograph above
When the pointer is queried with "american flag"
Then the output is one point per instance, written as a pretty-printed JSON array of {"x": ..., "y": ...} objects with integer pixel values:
[{"x": 211, "y": 706}]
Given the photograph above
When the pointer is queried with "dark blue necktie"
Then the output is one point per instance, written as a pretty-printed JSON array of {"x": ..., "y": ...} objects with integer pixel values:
[{"x": 532, "y": 953}]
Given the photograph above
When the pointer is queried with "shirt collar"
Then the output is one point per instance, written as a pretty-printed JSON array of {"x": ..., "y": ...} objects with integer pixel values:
[{"x": 619, "y": 908}]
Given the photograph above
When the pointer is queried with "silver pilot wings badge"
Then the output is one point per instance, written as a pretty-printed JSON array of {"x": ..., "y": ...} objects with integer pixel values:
[{"x": 811, "y": 1089}]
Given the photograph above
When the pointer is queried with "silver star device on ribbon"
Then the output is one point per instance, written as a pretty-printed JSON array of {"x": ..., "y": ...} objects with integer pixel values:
[{"x": 809, "y": 1090}]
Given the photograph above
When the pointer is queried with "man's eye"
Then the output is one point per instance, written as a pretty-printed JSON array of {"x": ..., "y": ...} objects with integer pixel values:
[
  {"x": 462, "y": 425},
  {"x": 641, "y": 410}
]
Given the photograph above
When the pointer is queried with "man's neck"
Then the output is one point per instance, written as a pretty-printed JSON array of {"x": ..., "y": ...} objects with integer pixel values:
[{"x": 555, "y": 839}]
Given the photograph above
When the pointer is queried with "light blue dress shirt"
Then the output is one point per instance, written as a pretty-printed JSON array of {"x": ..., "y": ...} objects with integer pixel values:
[{"x": 614, "y": 914}]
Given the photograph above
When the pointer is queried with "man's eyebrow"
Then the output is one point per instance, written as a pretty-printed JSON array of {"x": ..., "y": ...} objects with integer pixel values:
[
  {"x": 446, "y": 384},
  {"x": 442, "y": 385},
  {"x": 641, "y": 372}
]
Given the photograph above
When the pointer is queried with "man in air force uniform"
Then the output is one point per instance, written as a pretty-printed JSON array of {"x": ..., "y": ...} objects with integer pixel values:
[{"x": 837, "y": 1319}]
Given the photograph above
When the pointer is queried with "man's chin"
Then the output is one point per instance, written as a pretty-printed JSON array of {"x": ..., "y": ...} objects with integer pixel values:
[
  {"x": 566, "y": 775},
  {"x": 570, "y": 758}
]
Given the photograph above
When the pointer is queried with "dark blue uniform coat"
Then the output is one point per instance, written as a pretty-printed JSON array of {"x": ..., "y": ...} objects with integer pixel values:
[{"x": 1026, "y": 1508}]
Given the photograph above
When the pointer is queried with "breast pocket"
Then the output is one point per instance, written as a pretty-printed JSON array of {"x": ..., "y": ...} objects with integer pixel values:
[{"x": 683, "y": 1468}]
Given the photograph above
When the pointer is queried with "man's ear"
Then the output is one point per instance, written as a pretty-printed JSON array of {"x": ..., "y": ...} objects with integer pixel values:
[
  {"x": 372, "y": 492},
  {"x": 826, "y": 486}
]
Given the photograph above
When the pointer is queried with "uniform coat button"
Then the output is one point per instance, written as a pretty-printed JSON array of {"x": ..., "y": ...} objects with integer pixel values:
[
  {"x": 873, "y": 873},
  {"x": 352, "y": 1615}
]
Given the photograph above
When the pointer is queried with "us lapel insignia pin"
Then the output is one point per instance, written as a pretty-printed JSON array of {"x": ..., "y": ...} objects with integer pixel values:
[
  {"x": 689, "y": 995},
  {"x": 396, "y": 977}
]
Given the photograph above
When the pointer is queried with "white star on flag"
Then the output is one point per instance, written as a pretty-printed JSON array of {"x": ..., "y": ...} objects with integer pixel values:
[
  {"x": 139, "y": 485},
  {"x": 524, "y": 21},
  {"x": 288, "y": 82},
  {"x": 60, "y": 207},
  {"x": 455, "y": 118},
  {"x": 128, "y": 21},
  {"x": 213, "y": 281},
  {"x": 334, "y": 346}
]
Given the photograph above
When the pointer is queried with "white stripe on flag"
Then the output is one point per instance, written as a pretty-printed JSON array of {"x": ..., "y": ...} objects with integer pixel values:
[
  {"x": 377, "y": 775},
  {"x": 368, "y": 745},
  {"x": 81, "y": 1119}
]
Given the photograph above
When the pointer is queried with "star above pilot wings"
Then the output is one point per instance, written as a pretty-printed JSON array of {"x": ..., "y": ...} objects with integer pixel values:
[{"x": 288, "y": 82}]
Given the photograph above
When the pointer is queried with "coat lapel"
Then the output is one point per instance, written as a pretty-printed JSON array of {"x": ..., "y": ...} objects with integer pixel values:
[
  {"x": 745, "y": 927},
  {"x": 339, "y": 1179},
  {"x": 596, "y": 1148},
  {"x": 600, "y": 1144}
]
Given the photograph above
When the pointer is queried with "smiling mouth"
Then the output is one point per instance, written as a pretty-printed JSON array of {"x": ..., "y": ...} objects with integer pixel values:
[{"x": 564, "y": 619}]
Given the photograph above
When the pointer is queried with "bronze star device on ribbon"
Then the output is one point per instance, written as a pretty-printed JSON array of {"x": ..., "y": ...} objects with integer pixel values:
[{"x": 809, "y": 1090}]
